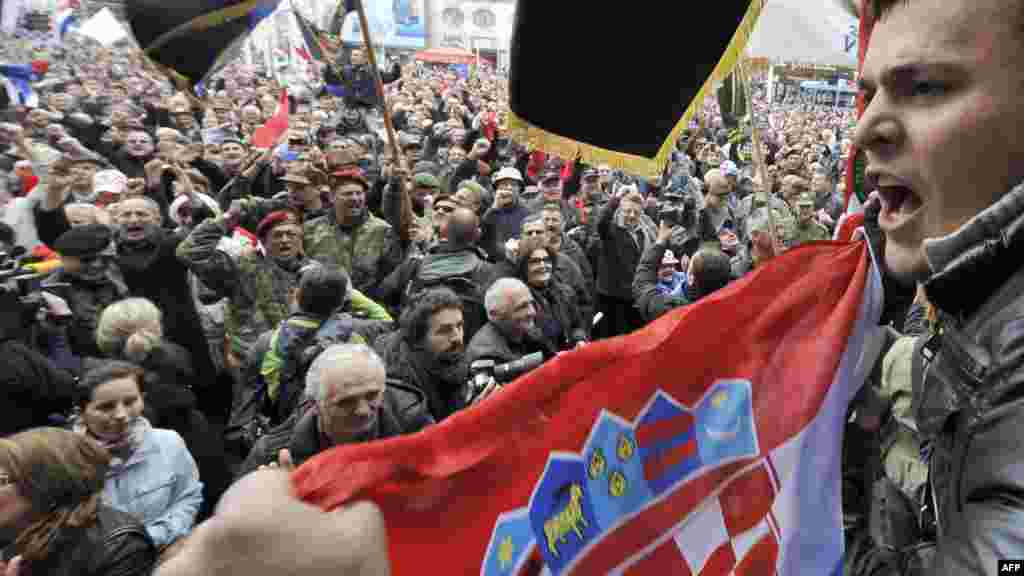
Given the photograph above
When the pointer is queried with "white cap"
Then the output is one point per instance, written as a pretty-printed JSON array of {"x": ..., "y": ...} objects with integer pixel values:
[
  {"x": 109, "y": 181},
  {"x": 508, "y": 173}
]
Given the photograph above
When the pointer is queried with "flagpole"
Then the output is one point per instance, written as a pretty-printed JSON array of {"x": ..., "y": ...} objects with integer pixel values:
[
  {"x": 759, "y": 164},
  {"x": 406, "y": 218},
  {"x": 372, "y": 57}
]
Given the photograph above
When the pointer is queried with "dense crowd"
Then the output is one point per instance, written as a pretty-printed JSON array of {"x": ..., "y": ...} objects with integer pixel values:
[{"x": 201, "y": 304}]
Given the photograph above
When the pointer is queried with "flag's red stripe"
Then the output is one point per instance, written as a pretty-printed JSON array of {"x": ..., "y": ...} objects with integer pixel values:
[
  {"x": 761, "y": 558},
  {"x": 666, "y": 559},
  {"x": 662, "y": 430},
  {"x": 630, "y": 538},
  {"x": 747, "y": 500},
  {"x": 656, "y": 466},
  {"x": 721, "y": 562}
]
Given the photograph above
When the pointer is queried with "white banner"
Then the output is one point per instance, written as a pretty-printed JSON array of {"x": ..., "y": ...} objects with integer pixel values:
[{"x": 103, "y": 28}]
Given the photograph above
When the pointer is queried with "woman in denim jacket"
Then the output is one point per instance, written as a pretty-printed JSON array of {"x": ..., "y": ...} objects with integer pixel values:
[{"x": 152, "y": 474}]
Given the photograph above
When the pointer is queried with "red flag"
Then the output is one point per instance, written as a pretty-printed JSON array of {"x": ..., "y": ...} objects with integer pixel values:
[
  {"x": 303, "y": 54},
  {"x": 634, "y": 455},
  {"x": 267, "y": 135}
]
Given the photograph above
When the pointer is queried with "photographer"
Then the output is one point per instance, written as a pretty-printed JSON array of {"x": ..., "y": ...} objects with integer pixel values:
[
  {"x": 512, "y": 331},
  {"x": 32, "y": 386}
]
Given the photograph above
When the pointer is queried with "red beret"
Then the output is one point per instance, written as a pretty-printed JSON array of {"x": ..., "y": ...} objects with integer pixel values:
[
  {"x": 273, "y": 219},
  {"x": 350, "y": 173}
]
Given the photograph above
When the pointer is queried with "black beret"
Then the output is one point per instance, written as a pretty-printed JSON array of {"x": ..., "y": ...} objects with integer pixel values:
[{"x": 84, "y": 240}]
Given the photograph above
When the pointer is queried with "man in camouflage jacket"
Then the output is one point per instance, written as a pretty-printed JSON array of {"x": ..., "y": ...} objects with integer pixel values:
[{"x": 351, "y": 238}]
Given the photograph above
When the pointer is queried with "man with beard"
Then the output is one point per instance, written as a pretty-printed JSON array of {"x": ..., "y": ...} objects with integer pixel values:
[
  {"x": 511, "y": 331},
  {"x": 350, "y": 401},
  {"x": 94, "y": 279},
  {"x": 352, "y": 239},
  {"x": 147, "y": 258},
  {"x": 427, "y": 350}
]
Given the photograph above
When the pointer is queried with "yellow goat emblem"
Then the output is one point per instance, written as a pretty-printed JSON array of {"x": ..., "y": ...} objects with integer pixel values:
[{"x": 568, "y": 520}]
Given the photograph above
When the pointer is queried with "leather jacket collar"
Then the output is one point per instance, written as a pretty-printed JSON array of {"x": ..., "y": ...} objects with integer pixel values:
[{"x": 969, "y": 265}]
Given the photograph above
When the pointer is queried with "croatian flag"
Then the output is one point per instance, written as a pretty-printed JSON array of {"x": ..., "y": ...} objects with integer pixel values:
[
  {"x": 708, "y": 443},
  {"x": 17, "y": 80},
  {"x": 65, "y": 21}
]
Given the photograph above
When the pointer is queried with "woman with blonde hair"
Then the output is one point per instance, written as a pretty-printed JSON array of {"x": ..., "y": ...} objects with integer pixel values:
[
  {"x": 132, "y": 330},
  {"x": 52, "y": 518}
]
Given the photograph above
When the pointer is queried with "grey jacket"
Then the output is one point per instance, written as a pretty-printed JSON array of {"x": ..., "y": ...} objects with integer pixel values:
[{"x": 968, "y": 389}]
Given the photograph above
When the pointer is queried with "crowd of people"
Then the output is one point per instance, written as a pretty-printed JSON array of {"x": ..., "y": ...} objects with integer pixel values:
[
  {"x": 210, "y": 303},
  {"x": 202, "y": 307}
]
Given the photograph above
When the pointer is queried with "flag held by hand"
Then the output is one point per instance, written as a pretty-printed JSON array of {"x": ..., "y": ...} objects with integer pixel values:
[{"x": 707, "y": 443}]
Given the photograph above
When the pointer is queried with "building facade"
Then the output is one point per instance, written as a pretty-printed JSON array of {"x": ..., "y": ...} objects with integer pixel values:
[{"x": 484, "y": 25}]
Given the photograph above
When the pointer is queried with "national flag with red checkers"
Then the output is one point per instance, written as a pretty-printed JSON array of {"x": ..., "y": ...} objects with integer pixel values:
[{"x": 707, "y": 443}]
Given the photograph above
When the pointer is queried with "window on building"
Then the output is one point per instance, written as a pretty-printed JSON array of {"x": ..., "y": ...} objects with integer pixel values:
[
  {"x": 453, "y": 17},
  {"x": 484, "y": 18}
]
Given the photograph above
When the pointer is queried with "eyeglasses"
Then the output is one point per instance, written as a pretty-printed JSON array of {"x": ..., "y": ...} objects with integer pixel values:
[{"x": 533, "y": 261}]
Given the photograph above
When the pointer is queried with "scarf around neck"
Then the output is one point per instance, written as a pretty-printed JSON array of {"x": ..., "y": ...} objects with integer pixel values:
[{"x": 121, "y": 449}]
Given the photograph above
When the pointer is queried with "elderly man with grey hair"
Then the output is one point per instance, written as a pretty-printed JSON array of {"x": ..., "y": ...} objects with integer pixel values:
[
  {"x": 349, "y": 400},
  {"x": 511, "y": 331}
]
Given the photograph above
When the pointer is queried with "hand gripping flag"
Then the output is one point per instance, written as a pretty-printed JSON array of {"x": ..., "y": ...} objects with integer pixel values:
[
  {"x": 707, "y": 443},
  {"x": 642, "y": 79},
  {"x": 193, "y": 38}
]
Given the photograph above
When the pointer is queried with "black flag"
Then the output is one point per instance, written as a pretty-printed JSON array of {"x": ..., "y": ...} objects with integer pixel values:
[
  {"x": 618, "y": 82},
  {"x": 190, "y": 38}
]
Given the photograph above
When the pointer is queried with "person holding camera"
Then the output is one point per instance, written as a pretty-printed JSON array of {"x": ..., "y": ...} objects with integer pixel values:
[{"x": 511, "y": 331}]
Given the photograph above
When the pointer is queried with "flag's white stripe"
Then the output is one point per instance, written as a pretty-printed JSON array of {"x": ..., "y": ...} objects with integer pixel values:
[
  {"x": 808, "y": 508},
  {"x": 744, "y": 542}
]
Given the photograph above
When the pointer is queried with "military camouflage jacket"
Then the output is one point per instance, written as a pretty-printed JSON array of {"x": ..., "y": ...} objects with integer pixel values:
[
  {"x": 257, "y": 288},
  {"x": 810, "y": 232},
  {"x": 368, "y": 251}
]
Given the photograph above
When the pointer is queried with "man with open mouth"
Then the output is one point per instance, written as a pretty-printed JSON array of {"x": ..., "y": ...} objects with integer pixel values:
[{"x": 942, "y": 134}]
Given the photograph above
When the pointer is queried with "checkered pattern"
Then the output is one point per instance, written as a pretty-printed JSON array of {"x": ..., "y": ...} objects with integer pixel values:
[{"x": 732, "y": 534}]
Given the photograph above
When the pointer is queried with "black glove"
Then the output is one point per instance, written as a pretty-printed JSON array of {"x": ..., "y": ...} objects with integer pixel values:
[{"x": 898, "y": 296}]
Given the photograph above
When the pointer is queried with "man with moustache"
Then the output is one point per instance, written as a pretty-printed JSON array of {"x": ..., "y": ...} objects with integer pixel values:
[
  {"x": 427, "y": 350},
  {"x": 942, "y": 81}
]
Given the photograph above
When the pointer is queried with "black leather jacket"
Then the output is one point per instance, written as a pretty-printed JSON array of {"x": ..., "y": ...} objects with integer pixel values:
[
  {"x": 404, "y": 411},
  {"x": 969, "y": 390},
  {"x": 115, "y": 545}
]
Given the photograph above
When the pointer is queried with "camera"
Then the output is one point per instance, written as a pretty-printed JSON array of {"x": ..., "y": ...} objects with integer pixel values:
[
  {"x": 679, "y": 210},
  {"x": 483, "y": 373}
]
